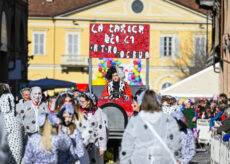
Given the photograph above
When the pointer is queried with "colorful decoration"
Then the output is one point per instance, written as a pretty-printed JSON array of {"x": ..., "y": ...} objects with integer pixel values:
[{"x": 133, "y": 75}]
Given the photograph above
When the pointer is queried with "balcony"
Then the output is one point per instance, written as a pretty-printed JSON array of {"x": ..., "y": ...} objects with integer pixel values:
[{"x": 74, "y": 62}]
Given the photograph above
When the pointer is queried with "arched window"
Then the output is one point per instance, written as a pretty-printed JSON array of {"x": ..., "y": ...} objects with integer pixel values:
[
  {"x": 166, "y": 85},
  {"x": 3, "y": 33}
]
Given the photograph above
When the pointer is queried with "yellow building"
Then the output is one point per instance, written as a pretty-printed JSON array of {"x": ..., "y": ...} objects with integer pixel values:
[{"x": 59, "y": 35}]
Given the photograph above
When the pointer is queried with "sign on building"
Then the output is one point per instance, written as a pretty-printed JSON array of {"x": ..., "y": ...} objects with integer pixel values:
[{"x": 119, "y": 41}]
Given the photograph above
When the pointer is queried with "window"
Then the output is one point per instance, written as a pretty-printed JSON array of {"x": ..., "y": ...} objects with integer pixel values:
[
  {"x": 39, "y": 43},
  {"x": 169, "y": 46},
  {"x": 72, "y": 44},
  {"x": 166, "y": 85},
  {"x": 199, "y": 46}
]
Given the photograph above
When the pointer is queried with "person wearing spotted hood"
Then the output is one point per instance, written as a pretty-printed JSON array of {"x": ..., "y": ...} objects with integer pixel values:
[
  {"x": 116, "y": 88},
  {"x": 13, "y": 130},
  {"x": 152, "y": 136},
  {"x": 188, "y": 150},
  {"x": 98, "y": 141},
  {"x": 31, "y": 111},
  {"x": 68, "y": 127}
]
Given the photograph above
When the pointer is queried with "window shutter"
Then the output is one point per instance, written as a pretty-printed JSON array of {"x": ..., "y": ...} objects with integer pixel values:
[
  {"x": 69, "y": 40},
  {"x": 161, "y": 46},
  {"x": 41, "y": 51},
  {"x": 35, "y": 43},
  {"x": 75, "y": 44},
  {"x": 177, "y": 47},
  {"x": 202, "y": 48}
]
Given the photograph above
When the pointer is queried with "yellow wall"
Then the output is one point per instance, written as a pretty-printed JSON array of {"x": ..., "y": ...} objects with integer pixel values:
[{"x": 185, "y": 24}]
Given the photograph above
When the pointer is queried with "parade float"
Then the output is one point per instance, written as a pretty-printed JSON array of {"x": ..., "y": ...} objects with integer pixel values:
[{"x": 109, "y": 45}]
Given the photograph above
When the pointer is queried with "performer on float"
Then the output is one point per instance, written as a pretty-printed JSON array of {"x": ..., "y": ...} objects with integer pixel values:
[
  {"x": 116, "y": 88},
  {"x": 31, "y": 111}
]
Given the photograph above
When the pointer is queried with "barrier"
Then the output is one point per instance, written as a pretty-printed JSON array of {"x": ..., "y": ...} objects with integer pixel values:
[
  {"x": 220, "y": 151},
  {"x": 204, "y": 134}
]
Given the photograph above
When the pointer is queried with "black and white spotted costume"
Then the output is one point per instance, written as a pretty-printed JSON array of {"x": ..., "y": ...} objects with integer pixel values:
[
  {"x": 14, "y": 133},
  {"x": 29, "y": 115}
]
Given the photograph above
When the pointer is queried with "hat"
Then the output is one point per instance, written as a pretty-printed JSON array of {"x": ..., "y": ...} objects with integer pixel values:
[
  {"x": 68, "y": 108},
  {"x": 115, "y": 69},
  {"x": 52, "y": 118},
  {"x": 140, "y": 97}
]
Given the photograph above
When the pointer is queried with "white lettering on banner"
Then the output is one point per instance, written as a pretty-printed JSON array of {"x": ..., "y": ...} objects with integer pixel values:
[
  {"x": 134, "y": 30},
  {"x": 123, "y": 28},
  {"x": 99, "y": 28},
  {"x": 141, "y": 29},
  {"x": 117, "y": 28},
  {"x": 110, "y": 28}
]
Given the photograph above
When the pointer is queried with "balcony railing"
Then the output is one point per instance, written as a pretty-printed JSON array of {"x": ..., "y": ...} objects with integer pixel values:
[{"x": 75, "y": 60}]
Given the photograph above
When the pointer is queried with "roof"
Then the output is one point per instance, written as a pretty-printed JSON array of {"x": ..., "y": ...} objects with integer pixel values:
[
  {"x": 202, "y": 84},
  {"x": 192, "y": 4},
  {"x": 43, "y": 8}
]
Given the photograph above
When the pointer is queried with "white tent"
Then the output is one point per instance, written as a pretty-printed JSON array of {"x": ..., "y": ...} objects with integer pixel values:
[{"x": 202, "y": 84}]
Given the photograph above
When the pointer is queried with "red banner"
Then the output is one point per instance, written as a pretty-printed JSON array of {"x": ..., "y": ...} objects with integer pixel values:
[{"x": 119, "y": 41}]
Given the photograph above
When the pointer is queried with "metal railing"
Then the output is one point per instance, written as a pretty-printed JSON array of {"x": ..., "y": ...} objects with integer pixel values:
[
  {"x": 220, "y": 150},
  {"x": 75, "y": 60}
]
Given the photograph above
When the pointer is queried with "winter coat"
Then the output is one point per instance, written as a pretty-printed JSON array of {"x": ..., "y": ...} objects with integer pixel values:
[
  {"x": 13, "y": 129},
  {"x": 29, "y": 116},
  {"x": 4, "y": 149},
  {"x": 35, "y": 154},
  {"x": 140, "y": 146}
]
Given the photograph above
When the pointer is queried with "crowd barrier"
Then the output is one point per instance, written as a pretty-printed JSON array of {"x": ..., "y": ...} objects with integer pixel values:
[{"x": 220, "y": 150}]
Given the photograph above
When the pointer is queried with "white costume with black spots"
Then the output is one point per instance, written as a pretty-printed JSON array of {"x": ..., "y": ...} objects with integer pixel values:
[
  {"x": 29, "y": 115},
  {"x": 139, "y": 145},
  {"x": 14, "y": 134}
]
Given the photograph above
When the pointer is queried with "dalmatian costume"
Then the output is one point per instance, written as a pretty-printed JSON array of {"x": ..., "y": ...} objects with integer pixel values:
[
  {"x": 14, "y": 134},
  {"x": 31, "y": 111}
]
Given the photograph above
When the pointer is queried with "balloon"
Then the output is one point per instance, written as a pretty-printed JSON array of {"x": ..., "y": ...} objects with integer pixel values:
[
  {"x": 136, "y": 66},
  {"x": 139, "y": 61},
  {"x": 134, "y": 62},
  {"x": 105, "y": 59},
  {"x": 115, "y": 60},
  {"x": 137, "y": 83},
  {"x": 118, "y": 63},
  {"x": 141, "y": 83},
  {"x": 133, "y": 76},
  {"x": 137, "y": 74},
  {"x": 99, "y": 65},
  {"x": 113, "y": 63},
  {"x": 139, "y": 69},
  {"x": 130, "y": 78},
  {"x": 105, "y": 65},
  {"x": 99, "y": 74},
  {"x": 109, "y": 65},
  {"x": 132, "y": 83},
  {"x": 100, "y": 69},
  {"x": 140, "y": 80},
  {"x": 137, "y": 78},
  {"x": 111, "y": 59},
  {"x": 139, "y": 64},
  {"x": 100, "y": 58},
  {"x": 130, "y": 74},
  {"x": 102, "y": 61},
  {"x": 99, "y": 81},
  {"x": 103, "y": 74}
]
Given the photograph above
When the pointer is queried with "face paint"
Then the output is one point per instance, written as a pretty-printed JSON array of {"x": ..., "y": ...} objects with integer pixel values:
[{"x": 36, "y": 95}]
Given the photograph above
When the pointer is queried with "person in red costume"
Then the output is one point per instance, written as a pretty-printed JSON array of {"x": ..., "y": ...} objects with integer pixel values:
[{"x": 116, "y": 88}]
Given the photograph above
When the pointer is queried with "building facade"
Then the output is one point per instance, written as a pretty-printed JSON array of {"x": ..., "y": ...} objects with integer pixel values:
[
  {"x": 13, "y": 47},
  {"x": 59, "y": 35}
]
